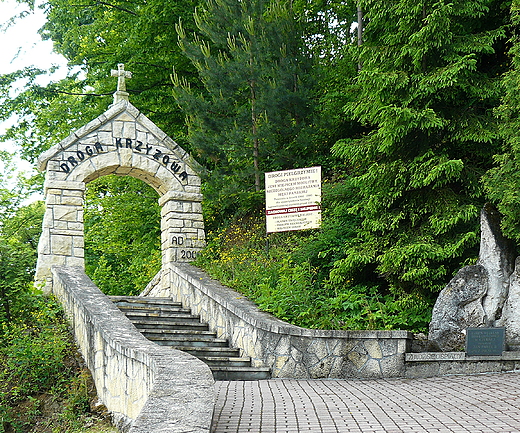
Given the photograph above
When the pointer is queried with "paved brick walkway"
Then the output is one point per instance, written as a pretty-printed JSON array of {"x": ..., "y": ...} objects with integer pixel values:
[{"x": 484, "y": 403}]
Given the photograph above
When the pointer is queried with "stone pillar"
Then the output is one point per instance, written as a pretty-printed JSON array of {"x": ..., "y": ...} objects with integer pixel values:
[
  {"x": 182, "y": 229},
  {"x": 62, "y": 239}
]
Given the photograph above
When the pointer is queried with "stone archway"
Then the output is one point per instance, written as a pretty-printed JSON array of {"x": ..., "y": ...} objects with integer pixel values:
[{"x": 124, "y": 142}]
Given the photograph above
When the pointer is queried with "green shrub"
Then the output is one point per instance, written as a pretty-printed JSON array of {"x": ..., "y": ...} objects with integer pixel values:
[
  {"x": 296, "y": 279},
  {"x": 122, "y": 234},
  {"x": 40, "y": 369}
]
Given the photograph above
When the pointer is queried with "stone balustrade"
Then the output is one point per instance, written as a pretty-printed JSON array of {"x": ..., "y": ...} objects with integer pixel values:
[
  {"x": 290, "y": 351},
  {"x": 147, "y": 388}
]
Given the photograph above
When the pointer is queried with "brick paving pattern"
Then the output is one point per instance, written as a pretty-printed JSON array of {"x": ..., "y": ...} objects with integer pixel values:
[{"x": 485, "y": 403}]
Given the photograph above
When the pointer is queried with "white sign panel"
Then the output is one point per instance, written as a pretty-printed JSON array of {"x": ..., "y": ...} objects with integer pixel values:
[{"x": 293, "y": 199}]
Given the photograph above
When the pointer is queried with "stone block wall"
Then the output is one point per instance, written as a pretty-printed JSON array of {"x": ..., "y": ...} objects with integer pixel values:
[
  {"x": 147, "y": 388},
  {"x": 61, "y": 242},
  {"x": 290, "y": 351}
]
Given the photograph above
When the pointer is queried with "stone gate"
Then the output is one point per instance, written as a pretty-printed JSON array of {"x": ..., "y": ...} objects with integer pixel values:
[{"x": 124, "y": 142}]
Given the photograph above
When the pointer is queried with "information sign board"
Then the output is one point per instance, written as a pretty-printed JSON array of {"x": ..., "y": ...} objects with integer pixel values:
[
  {"x": 485, "y": 341},
  {"x": 293, "y": 199}
]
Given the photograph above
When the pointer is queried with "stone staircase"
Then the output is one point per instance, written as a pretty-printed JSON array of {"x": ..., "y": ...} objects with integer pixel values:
[{"x": 167, "y": 323}]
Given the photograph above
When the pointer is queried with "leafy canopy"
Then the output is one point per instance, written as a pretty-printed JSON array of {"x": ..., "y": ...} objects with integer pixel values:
[{"x": 122, "y": 234}]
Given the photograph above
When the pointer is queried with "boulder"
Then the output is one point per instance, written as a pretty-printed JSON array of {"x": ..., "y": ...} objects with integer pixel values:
[
  {"x": 511, "y": 312},
  {"x": 458, "y": 307},
  {"x": 480, "y": 295},
  {"x": 497, "y": 256}
]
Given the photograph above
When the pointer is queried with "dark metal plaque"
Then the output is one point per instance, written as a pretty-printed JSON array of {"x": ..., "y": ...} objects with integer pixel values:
[{"x": 485, "y": 341}]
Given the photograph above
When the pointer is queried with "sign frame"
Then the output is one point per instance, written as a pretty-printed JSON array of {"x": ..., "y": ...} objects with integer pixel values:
[{"x": 293, "y": 199}]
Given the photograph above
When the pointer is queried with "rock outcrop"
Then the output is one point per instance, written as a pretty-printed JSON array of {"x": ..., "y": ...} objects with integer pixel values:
[
  {"x": 459, "y": 306},
  {"x": 497, "y": 256},
  {"x": 480, "y": 295},
  {"x": 511, "y": 311}
]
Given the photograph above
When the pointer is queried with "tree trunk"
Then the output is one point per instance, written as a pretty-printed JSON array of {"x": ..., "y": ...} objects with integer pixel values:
[
  {"x": 256, "y": 141},
  {"x": 254, "y": 129},
  {"x": 360, "y": 26},
  {"x": 359, "y": 32}
]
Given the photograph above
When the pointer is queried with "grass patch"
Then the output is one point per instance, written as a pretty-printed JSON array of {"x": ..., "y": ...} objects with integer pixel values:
[{"x": 294, "y": 280}]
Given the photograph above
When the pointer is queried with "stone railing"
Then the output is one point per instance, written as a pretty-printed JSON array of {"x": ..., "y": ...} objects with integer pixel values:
[
  {"x": 146, "y": 387},
  {"x": 290, "y": 351}
]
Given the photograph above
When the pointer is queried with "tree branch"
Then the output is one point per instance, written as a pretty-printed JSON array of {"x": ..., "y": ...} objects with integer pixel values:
[
  {"x": 82, "y": 94},
  {"x": 117, "y": 7}
]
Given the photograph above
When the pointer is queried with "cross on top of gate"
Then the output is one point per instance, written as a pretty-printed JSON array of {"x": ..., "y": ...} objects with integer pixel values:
[{"x": 121, "y": 93}]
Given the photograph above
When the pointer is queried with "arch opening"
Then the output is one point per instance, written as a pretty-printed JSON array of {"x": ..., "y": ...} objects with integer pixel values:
[{"x": 122, "y": 229}]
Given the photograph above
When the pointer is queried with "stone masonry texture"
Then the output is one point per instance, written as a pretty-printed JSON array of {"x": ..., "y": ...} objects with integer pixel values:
[
  {"x": 146, "y": 387},
  {"x": 122, "y": 141},
  {"x": 290, "y": 351}
]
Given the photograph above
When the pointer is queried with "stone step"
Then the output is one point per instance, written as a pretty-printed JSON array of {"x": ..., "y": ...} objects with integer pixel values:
[
  {"x": 143, "y": 301},
  {"x": 223, "y": 361},
  {"x": 241, "y": 373},
  {"x": 167, "y": 323},
  {"x": 163, "y": 317},
  {"x": 174, "y": 333},
  {"x": 201, "y": 352},
  {"x": 189, "y": 340},
  {"x": 153, "y": 309}
]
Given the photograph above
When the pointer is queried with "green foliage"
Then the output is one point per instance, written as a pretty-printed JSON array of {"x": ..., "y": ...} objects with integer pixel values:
[
  {"x": 94, "y": 38},
  {"x": 34, "y": 349},
  {"x": 294, "y": 279},
  {"x": 425, "y": 97},
  {"x": 19, "y": 236},
  {"x": 32, "y": 357},
  {"x": 252, "y": 112},
  {"x": 122, "y": 234},
  {"x": 46, "y": 114},
  {"x": 77, "y": 397},
  {"x": 41, "y": 381},
  {"x": 414, "y": 116},
  {"x": 39, "y": 368},
  {"x": 503, "y": 181}
]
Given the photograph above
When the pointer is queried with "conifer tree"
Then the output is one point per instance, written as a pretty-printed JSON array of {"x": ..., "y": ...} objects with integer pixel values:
[
  {"x": 425, "y": 96},
  {"x": 503, "y": 182},
  {"x": 250, "y": 115}
]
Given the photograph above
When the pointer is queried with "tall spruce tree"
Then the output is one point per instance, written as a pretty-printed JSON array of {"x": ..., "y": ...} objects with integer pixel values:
[
  {"x": 251, "y": 114},
  {"x": 425, "y": 94},
  {"x": 503, "y": 182}
]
